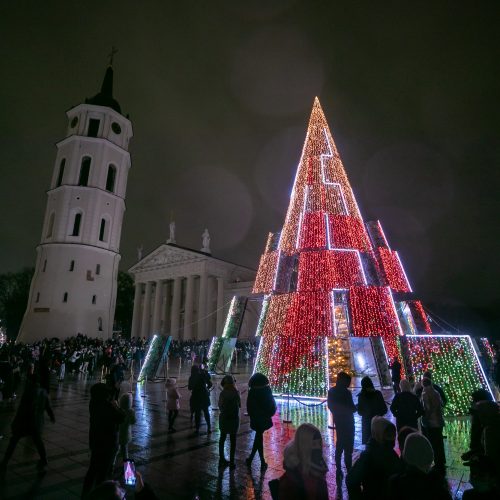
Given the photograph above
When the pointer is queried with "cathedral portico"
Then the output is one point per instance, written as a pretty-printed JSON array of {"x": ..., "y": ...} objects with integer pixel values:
[{"x": 184, "y": 293}]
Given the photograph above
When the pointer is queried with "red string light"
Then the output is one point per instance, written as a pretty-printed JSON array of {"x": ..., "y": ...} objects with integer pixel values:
[
  {"x": 419, "y": 316},
  {"x": 392, "y": 271}
]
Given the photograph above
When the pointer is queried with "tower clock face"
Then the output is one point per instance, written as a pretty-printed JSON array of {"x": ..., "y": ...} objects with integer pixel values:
[
  {"x": 74, "y": 122},
  {"x": 116, "y": 128}
]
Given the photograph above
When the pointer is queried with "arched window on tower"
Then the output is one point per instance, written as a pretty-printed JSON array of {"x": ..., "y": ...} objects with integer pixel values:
[
  {"x": 99, "y": 324},
  {"x": 50, "y": 227},
  {"x": 110, "y": 179},
  {"x": 83, "y": 180},
  {"x": 76, "y": 224},
  {"x": 103, "y": 230},
  {"x": 61, "y": 172}
]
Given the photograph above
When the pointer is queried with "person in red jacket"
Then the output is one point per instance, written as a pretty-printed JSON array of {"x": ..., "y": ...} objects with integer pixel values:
[{"x": 305, "y": 466}]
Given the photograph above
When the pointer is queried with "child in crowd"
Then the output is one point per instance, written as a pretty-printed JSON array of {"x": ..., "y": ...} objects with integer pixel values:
[
  {"x": 173, "y": 403},
  {"x": 125, "y": 432}
]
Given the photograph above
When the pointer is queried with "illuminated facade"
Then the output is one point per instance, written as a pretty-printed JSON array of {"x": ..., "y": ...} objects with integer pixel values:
[{"x": 74, "y": 286}]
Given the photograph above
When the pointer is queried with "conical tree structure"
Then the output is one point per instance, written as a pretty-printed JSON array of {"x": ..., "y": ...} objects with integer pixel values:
[{"x": 326, "y": 276}]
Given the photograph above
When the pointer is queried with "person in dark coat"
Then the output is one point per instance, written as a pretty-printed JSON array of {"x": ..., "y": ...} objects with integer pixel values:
[
  {"x": 476, "y": 429},
  {"x": 370, "y": 404},
  {"x": 199, "y": 383},
  {"x": 418, "y": 481},
  {"x": 7, "y": 376},
  {"x": 369, "y": 476},
  {"x": 115, "y": 377},
  {"x": 407, "y": 409},
  {"x": 29, "y": 418},
  {"x": 229, "y": 419},
  {"x": 105, "y": 419},
  {"x": 261, "y": 406},
  {"x": 395, "y": 368},
  {"x": 341, "y": 405}
]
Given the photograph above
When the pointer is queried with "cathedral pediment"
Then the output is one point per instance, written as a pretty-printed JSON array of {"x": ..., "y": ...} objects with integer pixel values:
[{"x": 167, "y": 256}]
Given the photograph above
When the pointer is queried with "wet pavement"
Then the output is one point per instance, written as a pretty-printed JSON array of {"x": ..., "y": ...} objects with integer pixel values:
[{"x": 180, "y": 465}]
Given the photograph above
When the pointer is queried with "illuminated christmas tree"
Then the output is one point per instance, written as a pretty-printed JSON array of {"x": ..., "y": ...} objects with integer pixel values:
[{"x": 327, "y": 276}]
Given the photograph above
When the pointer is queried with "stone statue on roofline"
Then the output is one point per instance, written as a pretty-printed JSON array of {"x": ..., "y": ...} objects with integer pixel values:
[
  {"x": 139, "y": 253},
  {"x": 206, "y": 241},
  {"x": 171, "y": 237}
]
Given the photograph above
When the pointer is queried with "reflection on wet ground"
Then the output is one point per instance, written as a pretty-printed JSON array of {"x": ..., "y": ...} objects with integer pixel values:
[{"x": 180, "y": 465}]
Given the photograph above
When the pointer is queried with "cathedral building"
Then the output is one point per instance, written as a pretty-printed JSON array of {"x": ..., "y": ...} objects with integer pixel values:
[
  {"x": 74, "y": 286},
  {"x": 186, "y": 293}
]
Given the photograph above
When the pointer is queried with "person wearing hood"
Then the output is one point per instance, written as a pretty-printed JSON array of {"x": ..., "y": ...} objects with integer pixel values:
[
  {"x": 433, "y": 422},
  {"x": 407, "y": 409},
  {"x": 418, "y": 390},
  {"x": 305, "y": 466},
  {"x": 229, "y": 419},
  {"x": 261, "y": 406},
  {"x": 369, "y": 476},
  {"x": 29, "y": 420},
  {"x": 105, "y": 418},
  {"x": 341, "y": 405},
  {"x": 370, "y": 404},
  {"x": 418, "y": 481},
  {"x": 199, "y": 384},
  {"x": 173, "y": 402},
  {"x": 125, "y": 430}
]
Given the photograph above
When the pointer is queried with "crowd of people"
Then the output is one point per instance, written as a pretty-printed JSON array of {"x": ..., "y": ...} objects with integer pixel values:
[{"x": 418, "y": 471}]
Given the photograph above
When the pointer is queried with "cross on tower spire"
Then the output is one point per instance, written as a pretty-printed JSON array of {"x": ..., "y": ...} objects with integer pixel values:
[{"x": 111, "y": 55}]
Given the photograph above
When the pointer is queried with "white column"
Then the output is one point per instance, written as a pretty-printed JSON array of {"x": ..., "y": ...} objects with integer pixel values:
[
  {"x": 220, "y": 305},
  {"x": 136, "y": 316},
  {"x": 146, "y": 310},
  {"x": 167, "y": 319},
  {"x": 202, "y": 306},
  {"x": 163, "y": 313},
  {"x": 188, "y": 308},
  {"x": 176, "y": 309},
  {"x": 157, "y": 307}
]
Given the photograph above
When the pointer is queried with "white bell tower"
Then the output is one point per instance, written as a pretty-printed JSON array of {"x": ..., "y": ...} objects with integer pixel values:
[{"x": 74, "y": 287}]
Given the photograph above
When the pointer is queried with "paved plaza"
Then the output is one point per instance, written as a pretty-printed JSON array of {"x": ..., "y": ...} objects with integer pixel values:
[{"x": 179, "y": 465}]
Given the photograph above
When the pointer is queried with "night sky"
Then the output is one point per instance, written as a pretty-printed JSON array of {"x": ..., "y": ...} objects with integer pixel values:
[{"x": 219, "y": 95}]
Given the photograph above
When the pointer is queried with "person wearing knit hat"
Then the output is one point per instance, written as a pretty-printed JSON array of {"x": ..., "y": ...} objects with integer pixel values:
[
  {"x": 369, "y": 476},
  {"x": 418, "y": 481},
  {"x": 418, "y": 452}
]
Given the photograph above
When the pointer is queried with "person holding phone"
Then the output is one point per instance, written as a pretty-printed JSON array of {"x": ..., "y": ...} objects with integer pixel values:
[{"x": 112, "y": 490}]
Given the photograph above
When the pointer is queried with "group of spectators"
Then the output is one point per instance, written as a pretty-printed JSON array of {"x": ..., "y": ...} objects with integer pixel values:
[{"x": 418, "y": 471}]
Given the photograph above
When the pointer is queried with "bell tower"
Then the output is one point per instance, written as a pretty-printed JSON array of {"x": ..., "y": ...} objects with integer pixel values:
[{"x": 74, "y": 286}]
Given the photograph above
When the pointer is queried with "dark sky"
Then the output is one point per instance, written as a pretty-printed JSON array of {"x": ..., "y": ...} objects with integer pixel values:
[{"x": 219, "y": 95}]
